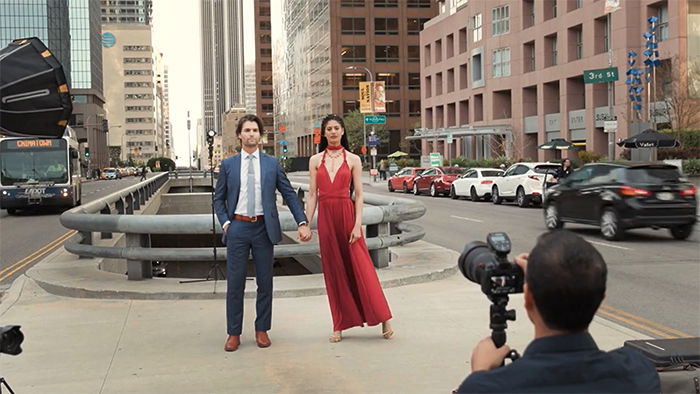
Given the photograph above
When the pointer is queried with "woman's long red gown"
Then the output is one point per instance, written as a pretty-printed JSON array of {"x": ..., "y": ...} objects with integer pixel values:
[{"x": 354, "y": 293}]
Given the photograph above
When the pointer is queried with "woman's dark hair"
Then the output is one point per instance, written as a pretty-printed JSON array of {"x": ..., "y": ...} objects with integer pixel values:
[
  {"x": 324, "y": 141},
  {"x": 564, "y": 162},
  {"x": 566, "y": 276},
  {"x": 249, "y": 118}
]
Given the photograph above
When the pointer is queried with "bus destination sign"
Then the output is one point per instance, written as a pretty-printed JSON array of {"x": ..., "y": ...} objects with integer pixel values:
[{"x": 24, "y": 144}]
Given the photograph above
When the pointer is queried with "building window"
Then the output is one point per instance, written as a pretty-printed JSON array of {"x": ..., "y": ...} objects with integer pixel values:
[
  {"x": 663, "y": 23},
  {"x": 140, "y": 120},
  {"x": 266, "y": 52},
  {"x": 529, "y": 56},
  {"x": 529, "y": 13},
  {"x": 462, "y": 40},
  {"x": 354, "y": 26},
  {"x": 428, "y": 86},
  {"x": 353, "y": 54},
  {"x": 386, "y": 53},
  {"x": 265, "y": 25},
  {"x": 352, "y": 80},
  {"x": 438, "y": 51},
  {"x": 138, "y": 72},
  {"x": 350, "y": 105},
  {"x": 266, "y": 80},
  {"x": 500, "y": 20},
  {"x": 578, "y": 36},
  {"x": 476, "y": 32},
  {"x": 415, "y": 25},
  {"x": 265, "y": 11},
  {"x": 138, "y": 84},
  {"x": 267, "y": 107},
  {"x": 137, "y": 48},
  {"x": 138, "y": 60},
  {"x": 143, "y": 96},
  {"x": 414, "y": 108},
  {"x": 414, "y": 80},
  {"x": 418, "y": 3},
  {"x": 266, "y": 93},
  {"x": 555, "y": 51},
  {"x": 476, "y": 68},
  {"x": 266, "y": 66},
  {"x": 501, "y": 63},
  {"x": 352, "y": 3},
  {"x": 386, "y": 26},
  {"x": 600, "y": 43},
  {"x": 391, "y": 80},
  {"x": 438, "y": 84},
  {"x": 138, "y": 108},
  {"x": 265, "y": 38},
  {"x": 393, "y": 107},
  {"x": 413, "y": 53},
  {"x": 450, "y": 46},
  {"x": 386, "y": 3}
]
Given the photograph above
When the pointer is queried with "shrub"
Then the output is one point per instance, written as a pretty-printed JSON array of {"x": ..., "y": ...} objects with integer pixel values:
[
  {"x": 407, "y": 162},
  {"x": 691, "y": 167},
  {"x": 165, "y": 164},
  {"x": 589, "y": 157}
]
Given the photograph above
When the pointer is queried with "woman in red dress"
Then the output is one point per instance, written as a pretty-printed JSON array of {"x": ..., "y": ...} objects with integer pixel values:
[{"x": 354, "y": 293}]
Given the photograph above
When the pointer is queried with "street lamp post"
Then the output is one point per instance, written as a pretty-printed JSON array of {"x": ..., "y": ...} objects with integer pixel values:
[{"x": 371, "y": 100}]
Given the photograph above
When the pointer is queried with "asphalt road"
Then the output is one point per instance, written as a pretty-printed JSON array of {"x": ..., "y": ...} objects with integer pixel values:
[
  {"x": 28, "y": 236},
  {"x": 653, "y": 280}
]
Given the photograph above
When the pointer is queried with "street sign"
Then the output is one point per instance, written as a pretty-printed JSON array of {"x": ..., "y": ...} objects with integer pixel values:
[
  {"x": 449, "y": 139},
  {"x": 283, "y": 142},
  {"x": 373, "y": 152},
  {"x": 435, "y": 159},
  {"x": 600, "y": 75},
  {"x": 363, "y": 150},
  {"x": 610, "y": 126},
  {"x": 375, "y": 119},
  {"x": 317, "y": 139},
  {"x": 373, "y": 140}
]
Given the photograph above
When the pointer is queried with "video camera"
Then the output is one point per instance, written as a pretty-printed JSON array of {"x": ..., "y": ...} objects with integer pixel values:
[
  {"x": 487, "y": 264},
  {"x": 10, "y": 340}
]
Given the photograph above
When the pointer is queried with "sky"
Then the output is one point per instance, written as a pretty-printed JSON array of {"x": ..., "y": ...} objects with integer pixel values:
[{"x": 176, "y": 34}]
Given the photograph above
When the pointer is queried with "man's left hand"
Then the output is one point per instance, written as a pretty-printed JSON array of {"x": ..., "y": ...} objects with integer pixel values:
[{"x": 487, "y": 356}]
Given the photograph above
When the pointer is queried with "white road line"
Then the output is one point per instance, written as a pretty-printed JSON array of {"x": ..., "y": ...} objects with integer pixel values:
[
  {"x": 608, "y": 245},
  {"x": 467, "y": 219}
]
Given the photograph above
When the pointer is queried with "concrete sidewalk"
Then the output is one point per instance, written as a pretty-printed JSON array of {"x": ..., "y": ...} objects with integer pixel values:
[{"x": 79, "y": 345}]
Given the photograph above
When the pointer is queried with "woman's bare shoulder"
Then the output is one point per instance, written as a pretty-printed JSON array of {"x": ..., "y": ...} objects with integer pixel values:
[
  {"x": 316, "y": 158},
  {"x": 353, "y": 157}
]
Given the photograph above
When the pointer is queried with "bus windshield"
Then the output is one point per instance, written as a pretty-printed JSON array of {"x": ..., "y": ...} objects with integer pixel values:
[{"x": 33, "y": 161}]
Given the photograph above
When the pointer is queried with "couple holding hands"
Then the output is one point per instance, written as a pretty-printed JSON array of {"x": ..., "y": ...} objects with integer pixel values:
[{"x": 245, "y": 204}]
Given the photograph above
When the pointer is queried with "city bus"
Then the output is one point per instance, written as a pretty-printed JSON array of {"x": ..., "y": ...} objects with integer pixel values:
[{"x": 39, "y": 172}]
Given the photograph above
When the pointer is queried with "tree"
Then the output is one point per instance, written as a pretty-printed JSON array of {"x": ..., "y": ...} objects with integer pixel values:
[
  {"x": 353, "y": 128},
  {"x": 678, "y": 85},
  {"x": 115, "y": 153}
]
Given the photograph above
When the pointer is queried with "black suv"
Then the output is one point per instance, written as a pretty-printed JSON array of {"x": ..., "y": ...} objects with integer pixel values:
[{"x": 617, "y": 197}]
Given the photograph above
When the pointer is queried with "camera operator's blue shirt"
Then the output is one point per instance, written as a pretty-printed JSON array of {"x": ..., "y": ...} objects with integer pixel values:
[{"x": 569, "y": 363}]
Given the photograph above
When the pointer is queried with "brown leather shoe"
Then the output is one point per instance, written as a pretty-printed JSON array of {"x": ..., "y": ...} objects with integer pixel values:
[
  {"x": 262, "y": 339},
  {"x": 232, "y": 343}
]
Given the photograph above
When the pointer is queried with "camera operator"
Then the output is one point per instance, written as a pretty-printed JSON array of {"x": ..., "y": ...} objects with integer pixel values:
[{"x": 564, "y": 286}]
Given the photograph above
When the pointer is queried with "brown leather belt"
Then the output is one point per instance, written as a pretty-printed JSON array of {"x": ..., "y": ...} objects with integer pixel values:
[{"x": 248, "y": 218}]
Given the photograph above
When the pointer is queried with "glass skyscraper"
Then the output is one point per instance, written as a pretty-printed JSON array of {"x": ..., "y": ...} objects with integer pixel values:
[
  {"x": 86, "y": 45},
  {"x": 44, "y": 19}
]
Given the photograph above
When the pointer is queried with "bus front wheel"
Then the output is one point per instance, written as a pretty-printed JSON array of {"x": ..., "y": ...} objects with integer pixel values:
[{"x": 11, "y": 211}]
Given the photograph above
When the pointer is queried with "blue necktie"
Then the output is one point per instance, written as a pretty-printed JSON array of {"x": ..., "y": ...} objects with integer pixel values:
[{"x": 251, "y": 186}]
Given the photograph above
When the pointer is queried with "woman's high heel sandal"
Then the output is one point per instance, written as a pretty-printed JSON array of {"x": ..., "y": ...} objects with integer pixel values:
[
  {"x": 336, "y": 336},
  {"x": 387, "y": 333}
]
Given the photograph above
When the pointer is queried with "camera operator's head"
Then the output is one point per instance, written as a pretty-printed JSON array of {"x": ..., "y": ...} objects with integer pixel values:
[{"x": 565, "y": 281}]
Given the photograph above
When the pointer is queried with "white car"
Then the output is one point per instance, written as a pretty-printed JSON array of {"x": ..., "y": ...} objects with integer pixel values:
[
  {"x": 476, "y": 183},
  {"x": 523, "y": 183}
]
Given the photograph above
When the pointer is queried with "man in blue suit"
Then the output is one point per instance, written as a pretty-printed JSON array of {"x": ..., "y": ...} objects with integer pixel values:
[{"x": 246, "y": 205}]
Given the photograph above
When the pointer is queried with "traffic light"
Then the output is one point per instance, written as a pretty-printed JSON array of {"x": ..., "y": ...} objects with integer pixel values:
[
  {"x": 87, "y": 152},
  {"x": 284, "y": 149}
]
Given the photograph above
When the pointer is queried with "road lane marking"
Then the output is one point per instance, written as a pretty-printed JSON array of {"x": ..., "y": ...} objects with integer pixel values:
[
  {"x": 48, "y": 248},
  {"x": 608, "y": 245},
  {"x": 643, "y": 321},
  {"x": 467, "y": 219}
]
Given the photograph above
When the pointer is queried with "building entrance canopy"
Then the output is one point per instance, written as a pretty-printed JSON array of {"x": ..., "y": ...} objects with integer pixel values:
[{"x": 460, "y": 131}]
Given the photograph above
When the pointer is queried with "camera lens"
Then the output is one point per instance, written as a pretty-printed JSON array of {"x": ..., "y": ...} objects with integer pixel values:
[{"x": 475, "y": 257}]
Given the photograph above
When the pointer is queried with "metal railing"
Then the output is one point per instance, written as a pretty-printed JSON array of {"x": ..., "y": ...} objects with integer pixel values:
[{"x": 115, "y": 214}]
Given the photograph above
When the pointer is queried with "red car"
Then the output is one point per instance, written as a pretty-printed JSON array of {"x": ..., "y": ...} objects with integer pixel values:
[
  {"x": 436, "y": 180},
  {"x": 403, "y": 180}
]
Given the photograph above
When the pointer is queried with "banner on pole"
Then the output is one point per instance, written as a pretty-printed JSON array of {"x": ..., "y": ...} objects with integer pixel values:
[
  {"x": 379, "y": 97},
  {"x": 365, "y": 98}
]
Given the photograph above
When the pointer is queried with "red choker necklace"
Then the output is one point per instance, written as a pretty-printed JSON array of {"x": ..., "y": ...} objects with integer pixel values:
[{"x": 338, "y": 147}]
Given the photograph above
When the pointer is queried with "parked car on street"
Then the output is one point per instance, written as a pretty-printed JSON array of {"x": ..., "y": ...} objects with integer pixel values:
[
  {"x": 476, "y": 183},
  {"x": 436, "y": 180},
  {"x": 403, "y": 180},
  {"x": 523, "y": 183},
  {"x": 111, "y": 173},
  {"x": 617, "y": 197}
]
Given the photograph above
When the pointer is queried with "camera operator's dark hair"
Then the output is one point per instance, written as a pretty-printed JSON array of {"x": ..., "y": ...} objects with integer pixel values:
[
  {"x": 566, "y": 276},
  {"x": 249, "y": 118}
]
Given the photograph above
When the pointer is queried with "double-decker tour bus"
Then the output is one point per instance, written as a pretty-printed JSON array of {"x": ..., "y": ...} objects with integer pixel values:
[{"x": 39, "y": 172}]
